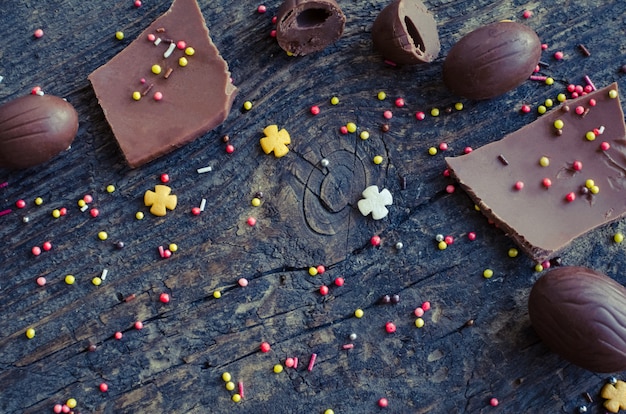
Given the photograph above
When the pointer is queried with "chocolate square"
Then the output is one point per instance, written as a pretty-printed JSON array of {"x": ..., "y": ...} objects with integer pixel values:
[
  {"x": 196, "y": 92},
  {"x": 544, "y": 219}
]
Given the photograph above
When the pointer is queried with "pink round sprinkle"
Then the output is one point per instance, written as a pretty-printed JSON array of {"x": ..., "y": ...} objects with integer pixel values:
[
  {"x": 545, "y": 264},
  {"x": 196, "y": 211},
  {"x": 273, "y": 33},
  {"x": 323, "y": 290},
  {"x": 151, "y": 37},
  {"x": 87, "y": 198},
  {"x": 165, "y": 178},
  {"x": 399, "y": 102},
  {"x": 265, "y": 347},
  {"x": 261, "y": 9},
  {"x": 375, "y": 241},
  {"x": 387, "y": 114},
  {"x": 420, "y": 116},
  {"x": 571, "y": 88},
  {"x": 580, "y": 110},
  {"x": 519, "y": 185},
  {"x": 164, "y": 297},
  {"x": 546, "y": 182},
  {"x": 339, "y": 281},
  {"x": 446, "y": 172},
  {"x": 577, "y": 165},
  {"x": 289, "y": 362},
  {"x": 139, "y": 325},
  {"x": 527, "y": 14},
  {"x": 494, "y": 402},
  {"x": 158, "y": 96},
  {"x": 35, "y": 90},
  {"x": 588, "y": 89},
  {"x": 251, "y": 221},
  {"x": 243, "y": 282},
  {"x": 579, "y": 89},
  {"x": 570, "y": 197},
  {"x": 58, "y": 408},
  {"x": 544, "y": 46},
  {"x": 467, "y": 150},
  {"x": 320, "y": 269},
  {"x": 449, "y": 240},
  {"x": 390, "y": 327},
  {"x": 443, "y": 146},
  {"x": 450, "y": 189},
  {"x": 343, "y": 130},
  {"x": 36, "y": 250},
  {"x": 315, "y": 110},
  {"x": 525, "y": 108},
  {"x": 537, "y": 69},
  {"x": 383, "y": 402},
  {"x": 38, "y": 33},
  {"x": 41, "y": 281},
  {"x": 426, "y": 306},
  {"x": 419, "y": 312},
  {"x": 63, "y": 211},
  {"x": 94, "y": 212},
  {"x": 47, "y": 246},
  {"x": 471, "y": 235},
  {"x": 167, "y": 253},
  {"x": 118, "y": 335},
  {"x": 65, "y": 409},
  {"x": 181, "y": 44},
  {"x": 104, "y": 387},
  {"x": 574, "y": 95},
  {"x": 230, "y": 148},
  {"x": 274, "y": 19},
  {"x": 592, "y": 102},
  {"x": 605, "y": 146}
]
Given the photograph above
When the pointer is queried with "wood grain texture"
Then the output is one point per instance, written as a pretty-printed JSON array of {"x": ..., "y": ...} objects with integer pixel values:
[{"x": 308, "y": 217}]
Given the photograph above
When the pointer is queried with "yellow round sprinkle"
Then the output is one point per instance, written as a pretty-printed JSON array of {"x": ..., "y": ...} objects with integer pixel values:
[
  {"x": 541, "y": 109},
  {"x": 434, "y": 112},
  {"x": 312, "y": 271},
  {"x": 217, "y": 294},
  {"x": 136, "y": 95},
  {"x": 71, "y": 403},
  {"x": 476, "y": 207},
  {"x": 226, "y": 376},
  {"x": 358, "y": 313},
  {"x": 118, "y": 36},
  {"x": 612, "y": 94},
  {"x": 488, "y": 273},
  {"x": 549, "y": 81},
  {"x": 256, "y": 202},
  {"x": 189, "y": 51},
  {"x": 30, "y": 333},
  {"x": 561, "y": 97},
  {"x": 70, "y": 279},
  {"x": 378, "y": 160},
  {"x": 96, "y": 281},
  {"x": 156, "y": 69},
  {"x": 419, "y": 322},
  {"x": 230, "y": 385},
  {"x": 81, "y": 203},
  {"x": 110, "y": 188},
  {"x": 329, "y": 411},
  {"x": 382, "y": 95},
  {"x": 290, "y": 53},
  {"x": 364, "y": 135},
  {"x": 247, "y": 105},
  {"x": 442, "y": 245},
  {"x": 594, "y": 189},
  {"x": 589, "y": 183},
  {"x": 544, "y": 161},
  {"x": 458, "y": 106},
  {"x": 103, "y": 235},
  {"x": 182, "y": 62},
  {"x": 618, "y": 237},
  {"x": 39, "y": 201},
  {"x": 278, "y": 368},
  {"x": 513, "y": 252},
  {"x": 432, "y": 151},
  {"x": 173, "y": 247},
  {"x": 56, "y": 213},
  {"x": 558, "y": 124},
  {"x": 334, "y": 100},
  {"x": 139, "y": 215},
  {"x": 590, "y": 135},
  {"x": 548, "y": 103},
  {"x": 538, "y": 267},
  {"x": 236, "y": 398},
  {"x": 351, "y": 126}
]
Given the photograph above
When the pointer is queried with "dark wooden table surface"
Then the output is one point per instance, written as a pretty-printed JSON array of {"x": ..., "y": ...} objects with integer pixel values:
[{"x": 308, "y": 217}]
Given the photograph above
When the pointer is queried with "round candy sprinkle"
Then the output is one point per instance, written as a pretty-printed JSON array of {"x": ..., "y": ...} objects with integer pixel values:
[
  {"x": 434, "y": 112},
  {"x": 138, "y": 325},
  {"x": 289, "y": 362},
  {"x": 265, "y": 347},
  {"x": 230, "y": 385},
  {"x": 41, "y": 281},
  {"x": 324, "y": 162},
  {"x": 383, "y": 402},
  {"x": 471, "y": 235},
  {"x": 156, "y": 69},
  {"x": 549, "y": 81},
  {"x": 36, "y": 251},
  {"x": 442, "y": 245},
  {"x": 527, "y": 14},
  {"x": 110, "y": 188},
  {"x": 375, "y": 241},
  {"x": 390, "y": 327},
  {"x": 541, "y": 109},
  {"x": 339, "y": 281},
  {"x": 577, "y": 165},
  {"x": 71, "y": 403},
  {"x": 315, "y": 110},
  {"x": 182, "y": 62},
  {"x": 399, "y": 102},
  {"x": 251, "y": 221},
  {"x": 358, "y": 313},
  {"x": 419, "y": 312},
  {"x": 56, "y": 213},
  {"x": 351, "y": 127},
  {"x": 458, "y": 106},
  {"x": 103, "y": 235},
  {"x": 119, "y": 35},
  {"x": 70, "y": 279},
  {"x": 243, "y": 282},
  {"x": 158, "y": 96},
  {"x": 590, "y": 136},
  {"x": 247, "y": 105},
  {"x": 513, "y": 252},
  {"x": 494, "y": 402},
  {"x": 381, "y": 96},
  {"x": 364, "y": 135},
  {"x": 321, "y": 269},
  {"x": 612, "y": 94},
  {"x": 546, "y": 182},
  {"x": 558, "y": 55},
  {"x": 419, "y": 323},
  {"x": 323, "y": 290},
  {"x": 618, "y": 237},
  {"x": 278, "y": 368},
  {"x": 38, "y": 33},
  {"x": 558, "y": 124},
  {"x": 30, "y": 333},
  {"x": 256, "y": 202},
  {"x": 164, "y": 297},
  {"x": 118, "y": 335},
  {"x": 426, "y": 306},
  {"x": 334, "y": 100},
  {"x": 217, "y": 294},
  {"x": 137, "y": 3},
  {"x": 313, "y": 271},
  {"x": 96, "y": 281},
  {"x": 104, "y": 387},
  {"x": 329, "y": 411},
  {"x": 519, "y": 185},
  {"x": 181, "y": 44},
  {"x": 570, "y": 197},
  {"x": 226, "y": 377},
  {"x": 432, "y": 151},
  {"x": 605, "y": 146},
  {"x": 488, "y": 273},
  {"x": 420, "y": 116},
  {"x": 387, "y": 114},
  {"x": 236, "y": 398},
  {"x": 189, "y": 51},
  {"x": 139, "y": 215}
]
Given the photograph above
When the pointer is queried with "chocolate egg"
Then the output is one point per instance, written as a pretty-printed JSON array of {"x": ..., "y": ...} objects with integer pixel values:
[
  {"x": 491, "y": 60},
  {"x": 581, "y": 315},
  {"x": 34, "y": 128}
]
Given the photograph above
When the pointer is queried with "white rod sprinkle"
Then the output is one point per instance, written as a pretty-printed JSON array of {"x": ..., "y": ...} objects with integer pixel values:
[
  {"x": 203, "y": 204},
  {"x": 105, "y": 272},
  {"x": 157, "y": 41},
  {"x": 169, "y": 50},
  {"x": 204, "y": 169}
]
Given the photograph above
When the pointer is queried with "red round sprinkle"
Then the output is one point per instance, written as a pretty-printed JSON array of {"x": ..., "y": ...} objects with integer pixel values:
[
  {"x": 450, "y": 189},
  {"x": 158, "y": 96},
  {"x": 265, "y": 347},
  {"x": 419, "y": 312},
  {"x": 343, "y": 130},
  {"x": 546, "y": 182},
  {"x": 525, "y": 108},
  {"x": 63, "y": 211},
  {"x": 558, "y": 55},
  {"x": 35, "y": 90},
  {"x": 383, "y": 402},
  {"x": 544, "y": 46},
  {"x": 261, "y": 9},
  {"x": 94, "y": 212},
  {"x": 426, "y": 306},
  {"x": 104, "y": 387},
  {"x": 321, "y": 269},
  {"x": 167, "y": 253},
  {"x": 151, "y": 37},
  {"x": 494, "y": 402},
  {"x": 289, "y": 362},
  {"x": 38, "y": 33},
  {"x": 47, "y": 246},
  {"x": 588, "y": 89},
  {"x": 545, "y": 264},
  {"x": 324, "y": 290},
  {"x": 20, "y": 204},
  {"x": 574, "y": 95},
  {"x": 375, "y": 241},
  {"x": 66, "y": 409},
  {"x": 273, "y": 33},
  {"x": 315, "y": 110},
  {"x": 390, "y": 327},
  {"x": 137, "y": 3},
  {"x": 399, "y": 102},
  {"x": 449, "y": 240},
  {"x": 527, "y": 14},
  {"x": 446, "y": 172},
  {"x": 605, "y": 146},
  {"x": 443, "y": 146},
  {"x": 230, "y": 149},
  {"x": 579, "y": 89},
  {"x": 274, "y": 19},
  {"x": 471, "y": 235},
  {"x": 577, "y": 165},
  {"x": 195, "y": 211},
  {"x": 570, "y": 197},
  {"x": 251, "y": 221},
  {"x": 139, "y": 325},
  {"x": 571, "y": 88},
  {"x": 339, "y": 281},
  {"x": 388, "y": 114},
  {"x": 580, "y": 110},
  {"x": 87, "y": 198},
  {"x": 36, "y": 250},
  {"x": 165, "y": 178},
  {"x": 165, "y": 298},
  {"x": 519, "y": 185},
  {"x": 467, "y": 150},
  {"x": 41, "y": 281},
  {"x": 420, "y": 116},
  {"x": 537, "y": 69},
  {"x": 596, "y": 132},
  {"x": 58, "y": 408},
  {"x": 118, "y": 335},
  {"x": 181, "y": 44}
]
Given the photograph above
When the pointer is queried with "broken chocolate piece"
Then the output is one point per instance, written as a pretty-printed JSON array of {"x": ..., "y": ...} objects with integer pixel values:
[
  {"x": 406, "y": 33},
  {"x": 157, "y": 97},
  {"x": 307, "y": 26},
  {"x": 550, "y": 210}
]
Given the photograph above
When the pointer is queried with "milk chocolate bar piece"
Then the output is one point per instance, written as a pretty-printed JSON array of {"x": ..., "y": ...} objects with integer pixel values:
[
  {"x": 167, "y": 88},
  {"x": 307, "y": 26},
  {"x": 554, "y": 179}
]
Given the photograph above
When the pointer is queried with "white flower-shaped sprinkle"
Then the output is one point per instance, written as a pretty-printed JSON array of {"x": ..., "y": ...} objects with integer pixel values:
[{"x": 374, "y": 202}]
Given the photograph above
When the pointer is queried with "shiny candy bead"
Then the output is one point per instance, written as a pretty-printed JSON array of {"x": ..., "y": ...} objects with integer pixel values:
[
  {"x": 278, "y": 368},
  {"x": 558, "y": 124},
  {"x": 71, "y": 403},
  {"x": 458, "y": 106},
  {"x": 230, "y": 385},
  {"x": 118, "y": 36},
  {"x": 351, "y": 127},
  {"x": 173, "y": 247},
  {"x": 544, "y": 161},
  {"x": 226, "y": 377},
  {"x": 56, "y": 213},
  {"x": 432, "y": 151},
  {"x": 488, "y": 273},
  {"x": 70, "y": 279},
  {"x": 442, "y": 245},
  {"x": 312, "y": 271},
  {"x": 136, "y": 95},
  {"x": 434, "y": 112},
  {"x": 513, "y": 252},
  {"x": 334, "y": 100},
  {"x": 256, "y": 202},
  {"x": 30, "y": 333},
  {"x": 247, "y": 105},
  {"x": 618, "y": 237},
  {"x": 156, "y": 69},
  {"x": 110, "y": 188},
  {"x": 612, "y": 94},
  {"x": 103, "y": 235},
  {"x": 363, "y": 135},
  {"x": 217, "y": 294},
  {"x": 236, "y": 398},
  {"x": 182, "y": 62},
  {"x": 419, "y": 322},
  {"x": 378, "y": 160},
  {"x": 190, "y": 51},
  {"x": 549, "y": 81},
  {"x": 381, "y": 96},
  {"x": 139, "y": 215},
  {"x": 358, "y": 313},
  {"x": 96, "y": 281},
  {"x": 541, "y": 109}
]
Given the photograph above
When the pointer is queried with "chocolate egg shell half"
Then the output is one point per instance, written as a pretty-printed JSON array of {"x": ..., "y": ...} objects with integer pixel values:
[
  {"x": 491, "y": 60},
  {"x": 581, "y": 315},
  {"x": 406, "y": 33},
  {"x": 34, "y": 128}
]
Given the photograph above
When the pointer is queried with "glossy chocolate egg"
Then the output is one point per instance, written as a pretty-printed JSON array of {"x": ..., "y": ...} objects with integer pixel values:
[
  {"x": 491, "y": 60},
  {"x": 34, "y": 128}
]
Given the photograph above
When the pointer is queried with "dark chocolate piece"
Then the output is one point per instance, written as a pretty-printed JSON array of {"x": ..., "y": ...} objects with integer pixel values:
[
  {"x": 491, "y": 60},
  {"x": 581, "y": 315},
  {"x": 34, "y": 129},
  {"x": 307, "y": 26},
  {"x": 196, "y": 96},
  {"x": 540, "y": 218},
  {"x": 406, "y": 33}
]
